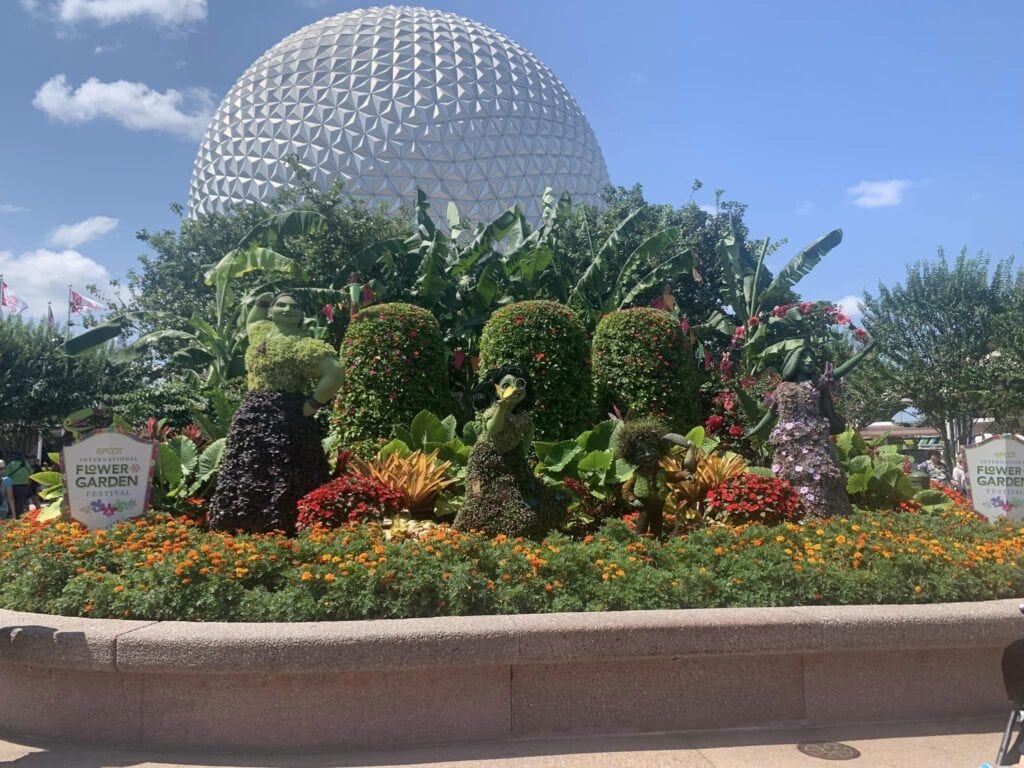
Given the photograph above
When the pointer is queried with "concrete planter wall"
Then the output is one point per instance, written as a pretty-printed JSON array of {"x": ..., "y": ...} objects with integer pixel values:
[{"x": 319, "y": 686}]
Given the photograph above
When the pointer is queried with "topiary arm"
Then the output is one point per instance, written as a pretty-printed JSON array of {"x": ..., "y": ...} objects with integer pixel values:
[
  {"x": 332, "y": 376},
  {"x": 260, "y": 310},
  {"x": 836, "y": 423},
  {"x": 762, "y": 425},
  {"x": 690, "y": 460},
  {"x": 494, "y": 418}
]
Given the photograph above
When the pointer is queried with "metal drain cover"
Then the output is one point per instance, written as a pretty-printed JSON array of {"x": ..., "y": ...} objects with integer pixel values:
[{"x": 829, "y": 750}]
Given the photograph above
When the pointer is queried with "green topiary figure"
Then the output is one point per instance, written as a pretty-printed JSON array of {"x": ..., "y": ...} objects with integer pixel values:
[
  {"x": 502, "y": 495},
  {"x": 548, "y": 342},
  {"x": 273, "y": 455},
  {"x": 396, "y": 365},
  {"x": 643, "y": 443},
  {"x": 644, "y": 366}
]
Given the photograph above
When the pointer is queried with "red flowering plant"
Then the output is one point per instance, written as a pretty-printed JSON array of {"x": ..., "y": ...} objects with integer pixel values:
[
  {"x": 750, "y": 498},
  {"x": 728, "y": 421},
  {"x": 348, "y": 499}
]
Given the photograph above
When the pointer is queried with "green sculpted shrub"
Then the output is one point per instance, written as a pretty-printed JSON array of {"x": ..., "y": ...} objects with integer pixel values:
[
  {"x": 396, "y": 365},
  {"x": 644, "y": 366},
  {"x": 547, "y": 341}
]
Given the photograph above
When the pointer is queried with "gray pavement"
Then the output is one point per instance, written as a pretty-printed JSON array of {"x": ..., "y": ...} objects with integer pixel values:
[{"x": 957, "y": 744}]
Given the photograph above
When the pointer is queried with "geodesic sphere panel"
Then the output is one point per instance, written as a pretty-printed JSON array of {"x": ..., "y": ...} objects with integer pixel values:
[{"x": 388, "y": 99}]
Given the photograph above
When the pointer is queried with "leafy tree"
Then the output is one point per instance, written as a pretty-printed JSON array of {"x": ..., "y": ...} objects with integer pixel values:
[
  {"x": 173, "y": 276},
  {"x": 579, "y": 238},
  {"x": 936, "y": 334},
  {"x": 39, "y": 385}
]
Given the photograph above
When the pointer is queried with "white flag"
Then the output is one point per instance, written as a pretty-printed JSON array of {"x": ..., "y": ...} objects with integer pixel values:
[{"x": 10, "y": 302}]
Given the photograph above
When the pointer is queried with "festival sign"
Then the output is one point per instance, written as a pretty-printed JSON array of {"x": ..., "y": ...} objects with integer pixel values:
[
  {"x": 108, "y": 476},
  {"x": 995, "y": 468}
]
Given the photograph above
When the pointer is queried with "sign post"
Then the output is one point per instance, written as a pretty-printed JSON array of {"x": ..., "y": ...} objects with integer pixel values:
[
  {"x": 995, "y": 468},
  {"x": 108, "y": 477}
]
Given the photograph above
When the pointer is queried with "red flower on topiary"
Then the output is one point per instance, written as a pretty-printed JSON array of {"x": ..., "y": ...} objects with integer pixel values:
[{"x": 347, "y": 499}]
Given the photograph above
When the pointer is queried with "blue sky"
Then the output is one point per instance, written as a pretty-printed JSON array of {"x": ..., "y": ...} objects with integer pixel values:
[{"x": 901, "y": 123}]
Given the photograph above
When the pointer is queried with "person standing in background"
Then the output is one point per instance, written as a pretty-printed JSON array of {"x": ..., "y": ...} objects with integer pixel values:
[
  {"x": 6, "y": 495},
  {"x": 18, "y": 471},
  {"x": 960, "y": 475}
]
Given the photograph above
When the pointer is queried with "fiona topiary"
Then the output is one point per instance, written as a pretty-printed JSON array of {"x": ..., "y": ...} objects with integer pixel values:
[
  {"x": 548, "y": 342},
  {"x": 396, "y": 365},
  {"x": 644, "y": 366}
]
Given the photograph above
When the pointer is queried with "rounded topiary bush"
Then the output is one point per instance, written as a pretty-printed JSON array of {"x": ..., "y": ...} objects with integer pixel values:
[
  {"x": 396, "y": 365},
  {"x": 644, "y": 366},
  {"x": 547, "y": 341}
]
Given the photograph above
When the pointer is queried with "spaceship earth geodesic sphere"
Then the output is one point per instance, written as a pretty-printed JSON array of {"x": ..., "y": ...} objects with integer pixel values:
[{"x": 390, "y": 99}]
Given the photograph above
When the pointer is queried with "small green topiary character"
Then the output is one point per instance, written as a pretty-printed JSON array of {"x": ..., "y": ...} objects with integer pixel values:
[
  {"x": 273, "y": 455},
  {"x": 502, "y": 495},
  {"x": 644, "y": 366},
  {"x": 643, "y": 443},
  {"x": 548, "y": 342}
]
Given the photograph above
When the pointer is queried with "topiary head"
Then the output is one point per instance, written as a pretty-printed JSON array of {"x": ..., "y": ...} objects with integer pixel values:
[
  {"x": 639, "y": 442},
  {"x": 508, "y": 381},
  {"x": 285, "y": 311}
]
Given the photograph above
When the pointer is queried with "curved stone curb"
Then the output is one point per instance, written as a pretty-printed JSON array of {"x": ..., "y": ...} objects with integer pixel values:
[{"x": 375, "y": 683}]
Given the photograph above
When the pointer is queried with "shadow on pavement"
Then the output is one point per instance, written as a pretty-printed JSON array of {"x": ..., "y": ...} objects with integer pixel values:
[{"x": 14, "y": 752}]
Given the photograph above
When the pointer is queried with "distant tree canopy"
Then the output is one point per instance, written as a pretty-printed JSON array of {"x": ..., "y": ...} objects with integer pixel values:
[
  {"x": 39, "y": 385},
  {"x": 948, "y": 340},
  {"x": 171, "y": 279}
]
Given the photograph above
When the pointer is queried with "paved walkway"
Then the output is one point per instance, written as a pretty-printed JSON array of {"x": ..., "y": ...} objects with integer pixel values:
[{"x": 961, "y": 744}]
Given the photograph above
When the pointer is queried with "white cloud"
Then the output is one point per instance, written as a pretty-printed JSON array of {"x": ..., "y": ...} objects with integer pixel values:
[
  {"x": 850, "y": 306},
  {"x": 878, "y": 194},
  {"x": 804, "y": 208},
  {"x": 11, "y": 208},
  {"x": 74, "y": 235},
  {"x": 163, "y": 12},
  {"x": 106, "y": 48},
  {"x": 136, "y": 106},
  {"x": 39, "y": 276}
]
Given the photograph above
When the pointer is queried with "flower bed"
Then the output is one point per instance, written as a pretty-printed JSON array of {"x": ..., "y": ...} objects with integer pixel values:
[{"x": 164, "y": 568}]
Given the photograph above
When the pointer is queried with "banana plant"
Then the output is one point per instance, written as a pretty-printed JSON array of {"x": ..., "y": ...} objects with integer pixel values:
[
  {"x": 746, "y": 287},
  {"x": 598, "y": 292}
]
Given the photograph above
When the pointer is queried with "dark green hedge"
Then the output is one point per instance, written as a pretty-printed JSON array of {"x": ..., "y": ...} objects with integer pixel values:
[
  {"x": 644, "y": 366},
  {"x": 396, "y": 365},
  {"x": 547, "y": 340}
]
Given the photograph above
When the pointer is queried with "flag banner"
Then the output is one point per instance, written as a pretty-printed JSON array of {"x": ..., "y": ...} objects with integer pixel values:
[
  {"x": 50, "y": 322},
  {"x": 80, "y": 303},
  {"x": 10, "y": 302}
]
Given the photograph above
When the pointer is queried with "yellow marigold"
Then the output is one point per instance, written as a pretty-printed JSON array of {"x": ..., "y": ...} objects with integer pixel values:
[
  {"x": 840, "y": 539},
  {"x": 306, "y": 575},
  {"x": 328, "y": 577},
  {"x": 119, "y": 588}
]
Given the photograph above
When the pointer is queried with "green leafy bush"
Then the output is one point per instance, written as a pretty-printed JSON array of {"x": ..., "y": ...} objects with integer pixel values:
[
  {"x": 644, "y": 366},
  {"x": 395, "y": 366},
  {"x": 547, "y": 341},
  {"x": 587, "y": 468}
]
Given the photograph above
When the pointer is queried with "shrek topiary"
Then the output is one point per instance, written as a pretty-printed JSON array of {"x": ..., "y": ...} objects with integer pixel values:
[
  {"x": 548, "y": 342},
  {"x": 396, "y": 365},
  {"x": 644, "y": 366}
]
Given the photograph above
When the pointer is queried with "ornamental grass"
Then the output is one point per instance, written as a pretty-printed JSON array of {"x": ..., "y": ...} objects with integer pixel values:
[{"x": 163, "y": 567}]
